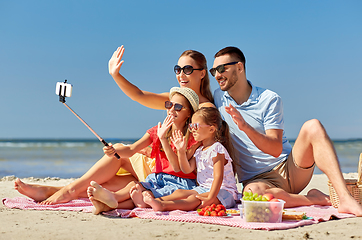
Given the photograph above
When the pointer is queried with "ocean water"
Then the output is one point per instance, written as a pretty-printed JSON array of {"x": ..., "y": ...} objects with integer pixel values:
[
  {"x": 72, "y": 158},
  {"x": 50, "y": 158}
]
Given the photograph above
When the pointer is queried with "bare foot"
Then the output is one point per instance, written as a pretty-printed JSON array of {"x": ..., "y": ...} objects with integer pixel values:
[
  {"x": 98, "y": 206},
  {"x": 136, "y": 196},
  {"x": 318, "y": 198},
  {"x": 37, "y": 192},
  {"x": 64, "y": 195},
  {"x": 347, "y": 204},
  {"x": 97, "y": 192},
  {"x": 150, "y": 200}
]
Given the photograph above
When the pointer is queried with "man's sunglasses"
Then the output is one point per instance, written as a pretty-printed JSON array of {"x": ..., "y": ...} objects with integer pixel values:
[
  {"x": 178, "y": 107},
  {"x": 220, "y": 68},
  {"x": 196, "y": 126},
  {"x": 187, "y": 69}
]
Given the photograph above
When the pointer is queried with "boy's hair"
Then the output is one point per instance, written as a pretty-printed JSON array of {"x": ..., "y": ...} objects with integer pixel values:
[
  {"x": 211, "y": 116},
  {"x": 234, "y": 52},
  {"x": 202, "y": 63}
]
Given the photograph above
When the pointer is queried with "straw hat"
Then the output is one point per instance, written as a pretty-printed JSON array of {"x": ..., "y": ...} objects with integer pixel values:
[{"x": 189, "y": 94}]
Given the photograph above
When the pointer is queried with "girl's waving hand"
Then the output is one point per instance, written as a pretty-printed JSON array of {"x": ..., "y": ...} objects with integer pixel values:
[{"x": 178, "y": 140}]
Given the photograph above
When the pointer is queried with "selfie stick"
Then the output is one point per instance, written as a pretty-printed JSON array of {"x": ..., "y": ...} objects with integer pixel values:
[{"x": 62, "y": 94}]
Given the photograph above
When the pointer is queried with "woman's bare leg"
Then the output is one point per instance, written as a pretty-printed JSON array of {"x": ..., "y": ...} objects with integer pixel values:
[
  {"x": 41, "y": 192},
  {"x": 35, "y": 191},
  {"x": 103, "y": 171}
]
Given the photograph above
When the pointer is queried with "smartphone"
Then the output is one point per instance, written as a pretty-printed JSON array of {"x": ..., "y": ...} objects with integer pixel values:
[{"x": 64, "y": 89}]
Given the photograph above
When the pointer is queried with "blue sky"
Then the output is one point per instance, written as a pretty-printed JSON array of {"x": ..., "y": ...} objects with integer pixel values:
[{"x": 309, "y": 52}]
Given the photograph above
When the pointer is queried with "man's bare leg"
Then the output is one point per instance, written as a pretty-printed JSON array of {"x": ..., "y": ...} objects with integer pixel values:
[
  {"x": 314, "y": 196},
  {"x": 313, "y": 145}
]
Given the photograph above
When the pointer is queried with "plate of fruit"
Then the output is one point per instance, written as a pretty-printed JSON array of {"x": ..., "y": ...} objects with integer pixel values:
[{"x": 213, "y": 210}]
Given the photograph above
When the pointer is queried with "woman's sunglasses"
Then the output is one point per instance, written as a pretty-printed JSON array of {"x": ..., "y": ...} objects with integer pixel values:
[
  {"x": 196, "y": 126},
  {"x": 187, "y": 69},
  {"x": 220, "y": 68},
  {"x": 178, "y": 107}
]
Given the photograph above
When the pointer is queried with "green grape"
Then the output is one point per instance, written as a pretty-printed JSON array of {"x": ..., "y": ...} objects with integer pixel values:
[
  {"x": 246, "y": 198},
  {"x": 259, "y": 198},
  {"x": 248, "y": 193},
  {"x": 255, "y": 195}
]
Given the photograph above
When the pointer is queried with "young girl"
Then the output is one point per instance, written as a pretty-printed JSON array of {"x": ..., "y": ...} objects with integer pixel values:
[
  {"x": 167, "y": 175},
  {"x": 215, "y": 174}
]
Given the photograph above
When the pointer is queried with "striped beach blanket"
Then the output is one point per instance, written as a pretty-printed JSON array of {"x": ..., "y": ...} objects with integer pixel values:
[{"x": 315, "y": 213}]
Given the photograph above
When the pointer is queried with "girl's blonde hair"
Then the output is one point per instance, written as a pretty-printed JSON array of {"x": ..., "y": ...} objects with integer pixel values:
[{"x": 211, "y": 116}]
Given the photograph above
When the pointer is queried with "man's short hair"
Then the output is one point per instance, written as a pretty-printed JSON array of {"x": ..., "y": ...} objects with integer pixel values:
[{"x": 234, "y": 52}]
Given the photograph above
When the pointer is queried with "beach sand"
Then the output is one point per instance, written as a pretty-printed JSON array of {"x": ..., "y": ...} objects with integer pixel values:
[{"x": 31, "y": 224}]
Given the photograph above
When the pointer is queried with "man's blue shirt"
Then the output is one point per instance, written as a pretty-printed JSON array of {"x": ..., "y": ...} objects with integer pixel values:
[{"x": 263, "y": 110}]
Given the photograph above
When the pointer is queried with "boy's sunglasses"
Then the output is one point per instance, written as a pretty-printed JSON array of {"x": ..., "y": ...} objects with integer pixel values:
[
  {"x": 220, "y": 68},
  {"x": 178, "y": 107},
  {"x": 196, "y": 126},
  {"x": 187, "y": 69}
]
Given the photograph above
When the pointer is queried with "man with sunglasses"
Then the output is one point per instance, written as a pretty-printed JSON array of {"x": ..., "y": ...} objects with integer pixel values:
[{"x": 264, "y": 159}]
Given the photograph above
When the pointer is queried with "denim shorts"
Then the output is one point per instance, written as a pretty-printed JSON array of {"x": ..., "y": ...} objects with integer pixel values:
[
  {"x": 224, "y": 196},
  {"x": 163, "y": 184}
]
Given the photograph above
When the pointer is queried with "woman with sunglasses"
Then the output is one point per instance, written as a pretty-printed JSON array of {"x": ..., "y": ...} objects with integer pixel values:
[
  {"x": 191, "y": 72},
  {"x": 166, "y": 176},
  {"x": 182, "y": 104}
]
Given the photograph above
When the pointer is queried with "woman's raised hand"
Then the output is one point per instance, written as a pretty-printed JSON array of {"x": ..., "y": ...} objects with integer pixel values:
[
  {"x": 162, "y": 129},
  {"x": 115, "y": 63},
  {"x": 109, "y": 150},
  {"x": 178, "y": 140}
]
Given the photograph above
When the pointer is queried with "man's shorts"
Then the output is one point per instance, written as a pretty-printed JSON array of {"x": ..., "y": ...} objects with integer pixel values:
[
  {"x": 163, "y": 184},
  {"x": 287, "y": 176},
  {"x": 224, "y": 196}
]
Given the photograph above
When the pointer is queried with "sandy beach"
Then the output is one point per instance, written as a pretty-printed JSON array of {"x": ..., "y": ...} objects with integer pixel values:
[{"x": 31, "y": 224}]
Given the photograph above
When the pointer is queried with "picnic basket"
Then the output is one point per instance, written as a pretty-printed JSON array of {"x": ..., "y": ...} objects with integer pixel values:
[{"x": 354, "y": 186}]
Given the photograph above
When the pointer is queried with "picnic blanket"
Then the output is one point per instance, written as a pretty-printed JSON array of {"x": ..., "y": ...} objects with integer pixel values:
[
  {"x": 82, "y": 204},
  {"x": 315, "y": 212}
]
